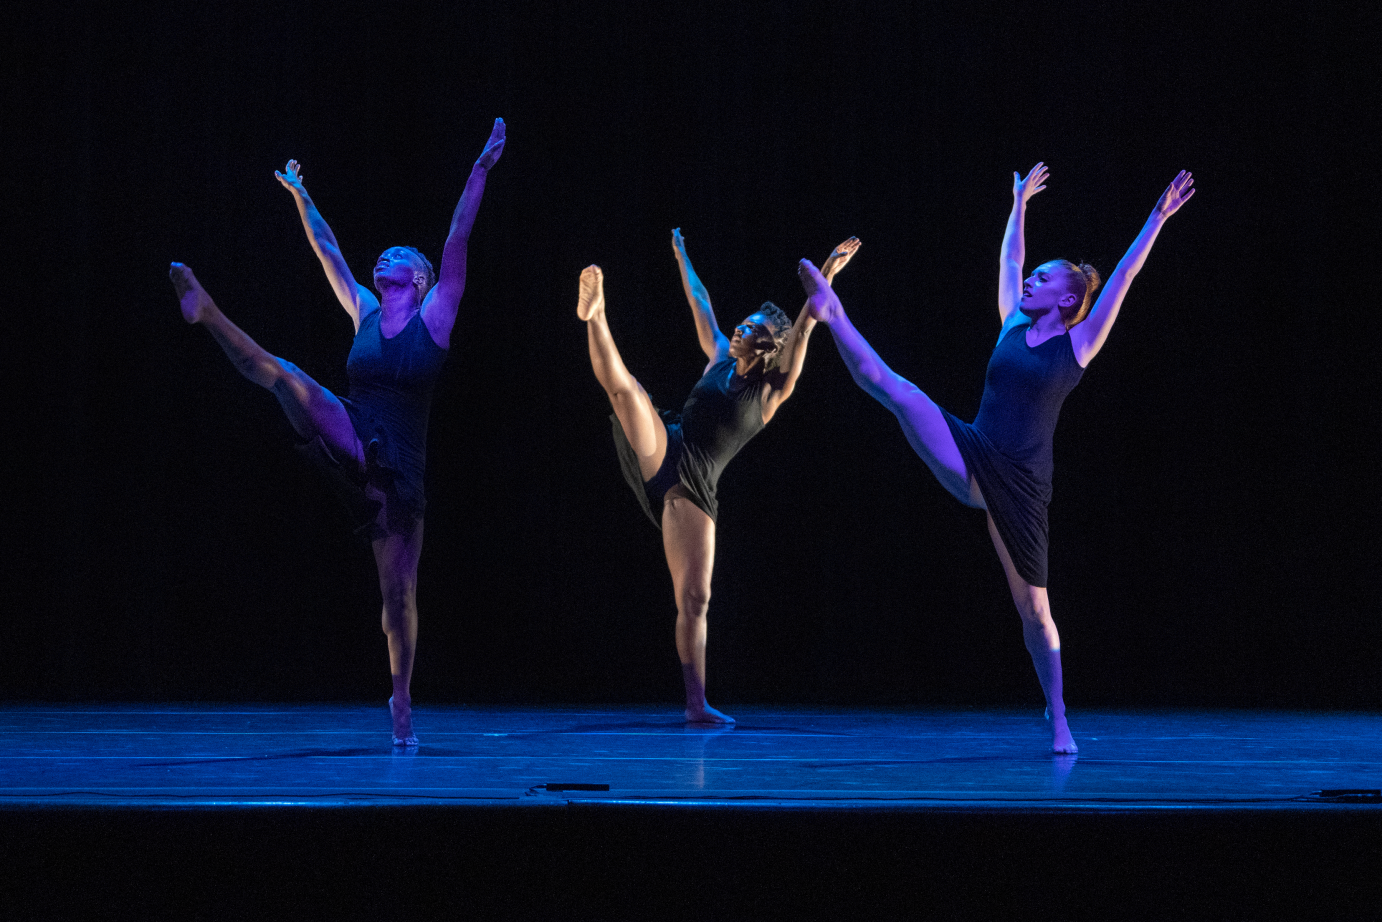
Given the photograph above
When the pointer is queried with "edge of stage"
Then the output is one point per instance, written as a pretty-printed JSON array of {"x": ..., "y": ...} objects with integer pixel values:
[{"x": 955, "y": 813}]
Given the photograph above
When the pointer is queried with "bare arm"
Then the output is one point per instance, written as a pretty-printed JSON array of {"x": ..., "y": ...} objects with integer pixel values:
[
  {"x": 714, "y": 343},
  {"x": 354, "y": 297},
  {"x": 440, "y": 306},
  {"x": 1087, "y": 337},
  {"x": 781, "y": 384},
  {"x": 1014, "y": 253}
]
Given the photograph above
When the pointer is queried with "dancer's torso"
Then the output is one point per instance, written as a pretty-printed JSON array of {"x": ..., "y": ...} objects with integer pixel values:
[
  {"x": 1023, "y": 392},
  {"x": 721, "y": 414},
  {"x": 393, "y": 379}
]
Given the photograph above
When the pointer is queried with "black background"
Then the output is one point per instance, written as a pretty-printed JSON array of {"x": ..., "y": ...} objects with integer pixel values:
[{"x": 1213, "y": 536}]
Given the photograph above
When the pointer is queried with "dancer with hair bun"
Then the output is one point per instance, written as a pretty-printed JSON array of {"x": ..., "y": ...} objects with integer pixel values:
[
  {"x": 673, "y": 461},
  {"x": 374, "y": 441},
  {"x": 1002, "y": 462}
]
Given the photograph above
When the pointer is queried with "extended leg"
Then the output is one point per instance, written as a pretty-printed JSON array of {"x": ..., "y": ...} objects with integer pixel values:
[
  {"x": 396, "y": 556},
  {"x": 688, "y": 537},
  {"x": 311, "y": 409},
  {"x": 922, "y": 421},
  {"x": 642, "y": 426},
  {"x": 1043, "y": 643}
]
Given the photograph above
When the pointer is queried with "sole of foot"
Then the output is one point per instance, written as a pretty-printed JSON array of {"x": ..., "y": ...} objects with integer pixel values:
[
  {"x": 708, "y": 717},
  {"x": 189, "y": 291},
  {"x": 592, "y": 297}
]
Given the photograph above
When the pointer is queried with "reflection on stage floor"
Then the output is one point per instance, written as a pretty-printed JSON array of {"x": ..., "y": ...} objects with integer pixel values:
[{"x": 207, "y": 755}]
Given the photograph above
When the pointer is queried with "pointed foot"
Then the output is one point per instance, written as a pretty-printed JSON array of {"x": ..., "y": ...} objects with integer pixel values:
[
  {"x": 1062, "y": 743},
  {"x": 707, "y": 716},
  {"x": 192, "y": 298},
  {"x": 821, "y": 301},
  {"x": 402, "y": 714},
  {"x": 592, "y": 296}
]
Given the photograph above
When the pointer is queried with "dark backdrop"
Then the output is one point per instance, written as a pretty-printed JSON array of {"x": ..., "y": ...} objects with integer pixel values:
[{"x": 1213, "y": 528}]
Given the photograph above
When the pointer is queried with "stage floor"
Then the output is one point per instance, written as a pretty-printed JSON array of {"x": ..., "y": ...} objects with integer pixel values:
[{"x": 338, "y": 755}]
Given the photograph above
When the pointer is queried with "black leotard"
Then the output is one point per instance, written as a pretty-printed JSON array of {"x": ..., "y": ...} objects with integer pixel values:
[
  {"x": 391, "y": 382},
  {"x": 721, "y": 414},
  {"x": 1007, "y": 449}
]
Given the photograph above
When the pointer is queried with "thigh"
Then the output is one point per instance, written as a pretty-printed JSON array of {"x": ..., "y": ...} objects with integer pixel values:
[
  {"x": 929, "y": 435},
  {"x": 642, "y": 427},
  {"x": 316, "y": 412},
  {"x": 688, "y": 538}
]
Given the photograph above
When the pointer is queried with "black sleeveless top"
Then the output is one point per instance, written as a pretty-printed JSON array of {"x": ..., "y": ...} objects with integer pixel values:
[
  {"x": 721, "y": 414},
  {"x": 1008, "y": 448},
  {"x": 390, "y": 399}
]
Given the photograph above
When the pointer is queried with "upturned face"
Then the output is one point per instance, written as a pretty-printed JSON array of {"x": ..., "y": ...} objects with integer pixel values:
[
  {"x": 1046, "y": 289},
  {"x": 398, "y": 266},
  {"x": 752, "y": 337}
]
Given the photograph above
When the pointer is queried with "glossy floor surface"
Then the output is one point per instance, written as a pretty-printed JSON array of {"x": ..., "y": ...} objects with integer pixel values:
[{"x": 324, "y": 755}]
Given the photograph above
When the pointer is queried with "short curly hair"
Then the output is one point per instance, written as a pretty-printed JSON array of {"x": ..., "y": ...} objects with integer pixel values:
[
  {"x": 782, "y": 328},
  {"x": 431, "y": 272}
]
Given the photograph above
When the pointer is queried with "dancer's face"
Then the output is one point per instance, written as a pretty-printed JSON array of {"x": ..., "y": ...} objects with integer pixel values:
[
  {"x": 1046, "y": 289},
  {"x": 398, "y": 266},
  {"x": 752, "y": 337}
]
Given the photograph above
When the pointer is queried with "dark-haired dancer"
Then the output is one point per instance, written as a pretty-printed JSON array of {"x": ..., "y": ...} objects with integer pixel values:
[
  {"x": 1002, "y": 462},
  {"x": 374, "y": 441},
  {"x": 674, "y": 460}
]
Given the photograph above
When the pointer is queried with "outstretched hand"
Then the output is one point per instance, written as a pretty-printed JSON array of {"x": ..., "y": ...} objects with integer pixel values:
[
  {"x": 840, "y": 258},
  {"x": 1028, "y": 186},
  {"x": 1177, "y": 194},
  {"x": 678, "y": 243},
  {"x": 494, "y": 147},
  {"x": 291, "y": 177}
]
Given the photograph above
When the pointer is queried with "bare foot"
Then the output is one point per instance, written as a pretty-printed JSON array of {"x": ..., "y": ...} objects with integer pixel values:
[
  {"x": 820, "y": 298},
  {"x": 191, "y": 295},
  {"x": 1062, "y": 742},
  {"x": 705, "y": 714},
  {"x": 592, "y": 297},
  {"x": 402, "y": 715}
]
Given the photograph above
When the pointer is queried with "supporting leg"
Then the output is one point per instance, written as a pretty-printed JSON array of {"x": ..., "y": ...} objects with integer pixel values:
[
  {"x": 688, "y": 537},
  {"x": 1043, "y": 644},
  {"x": 642, "y": 426},
  {"x": 397, "y": 556}
]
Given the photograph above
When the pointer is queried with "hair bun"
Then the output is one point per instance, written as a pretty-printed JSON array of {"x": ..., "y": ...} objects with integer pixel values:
[{"x": 1092, "y": 281}]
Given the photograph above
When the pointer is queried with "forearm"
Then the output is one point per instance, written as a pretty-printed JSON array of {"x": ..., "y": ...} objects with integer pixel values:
[
  {"x": 463, "y": 219},
  {"x": 319, "y": 233},
  {"x": 1132, "y": 261},
  {"x": 699, "y": 299},
  {"x": 1014, "y": 249}
]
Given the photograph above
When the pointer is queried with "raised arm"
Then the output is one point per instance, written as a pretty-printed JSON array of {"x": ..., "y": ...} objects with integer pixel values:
[
  {"x": 1014, "y": 252},
  {"x": 354, "y": 297},
  {"x": 784, "y": 380},
  {"x": 444, "y": 300},
  {"x": 1087, "y": 337},
  {"x": 714, "y": 343}
]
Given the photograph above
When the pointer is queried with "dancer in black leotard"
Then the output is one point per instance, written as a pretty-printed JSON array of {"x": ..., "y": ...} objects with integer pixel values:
[
  {"x": 1002, "y": 462},
  {"x": 673, "y": 461},
  {"x": 374, "y": 441}
]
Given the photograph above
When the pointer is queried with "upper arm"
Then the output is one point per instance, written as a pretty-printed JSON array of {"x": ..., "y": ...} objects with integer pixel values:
[
  {"x": 1087, "y": 337},
  {"x": 439, "y": 309},
  {"x": 354, "y": 297},
  {"x": 1009, "y": 288}
]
